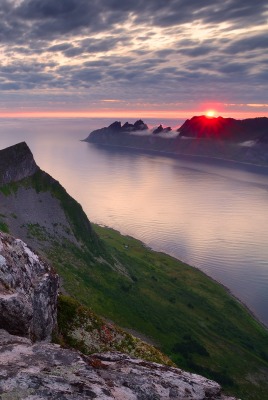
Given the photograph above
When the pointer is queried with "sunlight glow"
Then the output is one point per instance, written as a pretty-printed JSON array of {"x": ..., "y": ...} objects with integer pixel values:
[{"x": 210, "y": 113}]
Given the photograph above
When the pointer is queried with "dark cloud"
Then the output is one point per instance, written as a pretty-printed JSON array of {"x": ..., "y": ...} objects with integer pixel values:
[
  {"x": 60, "y": 47},
  {"x": 50, "y": 18},
  {"x": 164, "y": 53},
  {"x": 97, "y": 63},
  {"x": 248, "y": 43},
  {"x": 103, "y": 53},
  {"x": 234, "y": 68},
  {"x": 197, "y": 51}
]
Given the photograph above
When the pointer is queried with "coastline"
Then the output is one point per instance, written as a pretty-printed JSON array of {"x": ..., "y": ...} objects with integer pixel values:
[
  {"x": 227, "y": 162},
  {"x": 230, "y": 293}
]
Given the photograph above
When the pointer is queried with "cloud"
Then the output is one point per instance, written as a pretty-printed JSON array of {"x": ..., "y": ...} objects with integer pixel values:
[
  {"x": 179, "y": 49},
  {"x": 197, "y": 51},
  {"x": 249, "y": 43}
]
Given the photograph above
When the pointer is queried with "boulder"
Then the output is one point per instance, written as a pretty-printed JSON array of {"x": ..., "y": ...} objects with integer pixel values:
[
  {"x": 47, "y": 371},
  {"x": 28, "y": 291}
]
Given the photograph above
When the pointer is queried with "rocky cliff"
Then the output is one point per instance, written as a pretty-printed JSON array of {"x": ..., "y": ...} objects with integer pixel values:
[
  {"x": 28, "y": 293},
  {"x": 16, "y": 163}
]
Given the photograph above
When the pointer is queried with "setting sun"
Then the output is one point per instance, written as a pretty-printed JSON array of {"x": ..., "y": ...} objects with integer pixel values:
[{"x": 210, "y": 113}]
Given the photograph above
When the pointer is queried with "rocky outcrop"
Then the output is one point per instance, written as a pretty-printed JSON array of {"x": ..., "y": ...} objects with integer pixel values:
[
  {"x": 161, "y": 129},
  {"x": 46, "y": 371},
  {"x": 16, "y": 163},
  {"x": 28, "y": 291},
  {"x": 140, "y": 126}
]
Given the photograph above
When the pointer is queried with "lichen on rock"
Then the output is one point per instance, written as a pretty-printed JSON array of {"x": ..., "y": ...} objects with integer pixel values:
[
  {"x": 28, "y": 291},
  {"x": 46, "y": 371}
]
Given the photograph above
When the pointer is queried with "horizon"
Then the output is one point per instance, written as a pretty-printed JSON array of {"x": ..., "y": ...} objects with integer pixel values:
[{"x": 130, "y": 114}]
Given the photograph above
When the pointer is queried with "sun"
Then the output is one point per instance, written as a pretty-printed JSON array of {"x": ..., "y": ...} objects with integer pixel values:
[{"x": 210, "y": 113}]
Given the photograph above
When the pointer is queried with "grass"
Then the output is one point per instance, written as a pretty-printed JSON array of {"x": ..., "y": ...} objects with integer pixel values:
[
  {"x": 36, "y": 231},
  {"x": 3, "y": 225},
  {"x": 190, "y": 317},
  {"x": 80, "y": 328}
]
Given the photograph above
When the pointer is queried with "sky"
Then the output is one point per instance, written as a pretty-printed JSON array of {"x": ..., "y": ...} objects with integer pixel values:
[{"x": 133, "y": 58}]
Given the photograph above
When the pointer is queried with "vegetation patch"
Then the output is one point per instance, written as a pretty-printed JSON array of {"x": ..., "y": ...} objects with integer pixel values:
[
  {"x": 80, "y": 328},
  {"x": 36, "y": 231},
  {"x": 3, "y": 226}
]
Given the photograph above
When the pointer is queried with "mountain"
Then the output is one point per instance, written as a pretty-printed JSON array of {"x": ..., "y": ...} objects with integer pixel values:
[
  {"x": 37, "y": 208},
  {"x": 237, "y": 131},
  {"x": 31, "y": 367},
  {"x": 188, "y": 316},
  {"x": 226, "y": 138}
]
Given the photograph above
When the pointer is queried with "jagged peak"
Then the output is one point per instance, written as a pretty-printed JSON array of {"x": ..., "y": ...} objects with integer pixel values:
[
  {"x": 115, "y": 125},
  {"x": 16, "y": 162}
]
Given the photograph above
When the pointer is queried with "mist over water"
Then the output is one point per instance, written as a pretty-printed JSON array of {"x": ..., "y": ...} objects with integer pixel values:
[{"x": 211, "y": 214}]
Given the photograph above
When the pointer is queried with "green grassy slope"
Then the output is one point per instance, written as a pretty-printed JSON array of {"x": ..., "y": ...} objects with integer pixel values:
[
  {"x": 82, "y": 329},
  {"x": 190, "y": 317}
]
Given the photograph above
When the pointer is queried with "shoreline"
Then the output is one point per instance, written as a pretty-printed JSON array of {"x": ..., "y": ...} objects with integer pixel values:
[
  {"x": 196, "y": 157},
  {"x": 230, "y": 293}
]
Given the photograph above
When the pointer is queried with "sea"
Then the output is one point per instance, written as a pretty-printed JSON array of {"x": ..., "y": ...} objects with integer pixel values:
[{"x": 211, "y": 214}]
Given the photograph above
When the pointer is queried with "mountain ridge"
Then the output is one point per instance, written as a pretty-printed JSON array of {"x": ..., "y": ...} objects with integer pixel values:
[{"x": 225, "y": 138}]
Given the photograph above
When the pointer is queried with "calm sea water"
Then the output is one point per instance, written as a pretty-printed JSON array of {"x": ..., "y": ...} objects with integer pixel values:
[{"x": 210, "y": 214}]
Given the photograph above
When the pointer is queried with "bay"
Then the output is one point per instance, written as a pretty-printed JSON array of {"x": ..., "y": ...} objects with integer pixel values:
[{"x": 211, "y": 214}]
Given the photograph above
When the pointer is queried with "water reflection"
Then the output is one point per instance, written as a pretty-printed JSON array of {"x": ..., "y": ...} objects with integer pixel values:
[{"x": 211, "y": 214}]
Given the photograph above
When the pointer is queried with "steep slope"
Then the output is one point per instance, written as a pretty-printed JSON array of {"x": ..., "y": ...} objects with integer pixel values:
[
  {"x": 80, "y": 328},
  {"x": 190, "y": 317},
  {"x": 37, "y": 207},
  {"x": 35, "y": 369}
]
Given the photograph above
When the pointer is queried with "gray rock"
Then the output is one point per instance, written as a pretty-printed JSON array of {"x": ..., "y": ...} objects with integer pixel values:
[
  {"x": 16, "y": 163},
  {"x": 28, "y": 291},
  {"x": 46, "y": 371}
]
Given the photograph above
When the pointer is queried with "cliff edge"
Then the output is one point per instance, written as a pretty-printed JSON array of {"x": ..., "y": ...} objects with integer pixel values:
[{"x": 16, "y": 163}]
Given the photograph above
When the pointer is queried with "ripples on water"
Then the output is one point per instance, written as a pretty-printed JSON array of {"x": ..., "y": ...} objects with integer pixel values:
[{"x": 212, "y": 215}]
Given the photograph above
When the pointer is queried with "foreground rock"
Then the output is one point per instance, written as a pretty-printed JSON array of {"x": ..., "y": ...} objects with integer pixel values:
[
  {"x": 46, "y": 371},
  {"x": 28, "y": 291},
  {"x": 33, "y": 369}
]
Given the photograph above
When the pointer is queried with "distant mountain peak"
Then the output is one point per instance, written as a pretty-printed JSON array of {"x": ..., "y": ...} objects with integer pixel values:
[{"x": 115, "y": 126}]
